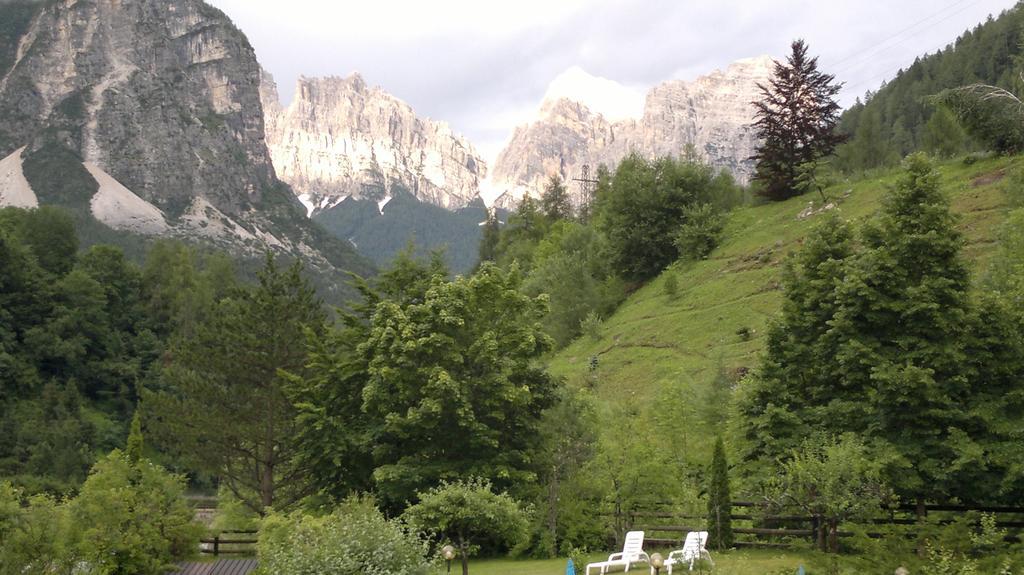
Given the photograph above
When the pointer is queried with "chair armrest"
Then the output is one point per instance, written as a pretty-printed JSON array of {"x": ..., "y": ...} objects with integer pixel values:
[
  {"x": 616, "y": 557},
  {"x": 643, "y": 555},
  {"x": 677, "y": 553}
]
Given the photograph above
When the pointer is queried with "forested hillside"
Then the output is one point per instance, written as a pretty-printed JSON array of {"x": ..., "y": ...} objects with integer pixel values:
[{"x": 900, "y": 117}]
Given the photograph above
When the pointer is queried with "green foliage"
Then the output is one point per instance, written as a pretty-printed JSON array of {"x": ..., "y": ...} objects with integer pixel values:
[
  {"x": 133, "y": 518},
  {"x": 381, "y": 234},
  {"x": 993, "y": 116},
  {"x": 429, "y": 379},
  {"x": 646, "y": 206},
  {"x": 884, "y": 342},
  {"x": 671, "y": 285},
  {"x": 221, "y": 404},
  {"x": 700, "y": 233},
  {"x": 459, "y": 364},
  {"x": 554, "y": 202},
  {"x": 353, "y": 539},
  {"x": 834, "y": 480},
  {"x": 36, "y": 535},
  {"x": 943, "y": 136},
  {"x": 571, "y": 267},
  {"x": 135, "y": 444},
  {"x": 468, "y": 513},
  {"x": 58, "y": 177},
  {"x": 796, "y": 122},
  {"x": 1007, "y": 271},
  {"x": 719, "y": 510},
  {"x": 900, "y": 111},
  {"x": 490, "y": 238}
]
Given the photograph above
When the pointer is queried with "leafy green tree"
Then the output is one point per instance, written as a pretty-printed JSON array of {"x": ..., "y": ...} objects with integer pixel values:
[
  {"x": 355, "y": 538},
  {"x": 700, "y": 233},
  {"x": 993, "y": 116},
  {"x": 646, "y": 205},
  {"x": 50, "y": 233},
  {"x": 221, "y": 404},
  {"x": 133, "y": 518},
  {"x": 719, "y": 515},
  {"x": 943, "y": 136},
  {"x": 334, "y": 435},
  {"x": 526, "y": 228},
  {"x": 797, "y": 117},
  {"x": 554, "y": 202},
  {"x": 833, "y": 480},
  {"x": 453, "y": 384},
  {"x": 868, "y": 148},
  {"x": 36, "y": 534},
  {"x": 572, "y": 268},
  {"x": 468, "y": 513}
]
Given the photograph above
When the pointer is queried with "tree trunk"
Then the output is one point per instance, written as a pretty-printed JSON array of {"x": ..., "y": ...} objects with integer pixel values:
[
  {"x": 818, "y": 527},
  {"x": 833, "y": 535},
  {"x": 463, "y": 554}
]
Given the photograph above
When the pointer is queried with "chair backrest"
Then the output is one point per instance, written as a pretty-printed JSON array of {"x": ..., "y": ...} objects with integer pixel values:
[
  {"x": 633, "y": 545},
  {"x": 694, "y": 544}
]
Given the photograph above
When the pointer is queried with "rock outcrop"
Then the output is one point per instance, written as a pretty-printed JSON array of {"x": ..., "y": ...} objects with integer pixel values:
[
  {"x": 159, "y": 100},
  {"x": 340, "y": 138},
  {"x": 711, "y": 114}
]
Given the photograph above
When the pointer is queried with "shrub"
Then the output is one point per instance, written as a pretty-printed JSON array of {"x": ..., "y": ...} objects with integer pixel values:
[
  {"x": 352, "y": 540},
  {"x": 720, "y": 535},
  {"x": 700, "y": 232},
  {"x": 671, "y": 285},
  {"x": 34, "y": 538},
  {"x": 468, "y": 513},
  {"x": 134, "y": 518}
]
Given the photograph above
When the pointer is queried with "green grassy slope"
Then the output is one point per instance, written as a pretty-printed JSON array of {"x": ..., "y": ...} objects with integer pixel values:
[{"x": 654, "y": 341}]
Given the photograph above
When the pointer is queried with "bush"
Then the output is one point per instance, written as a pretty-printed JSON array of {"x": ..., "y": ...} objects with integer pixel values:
[
  {"x": 34, "y": 538},
  {"x": 134, "y": 518},
  {"x": 467, "y": 513},
  {"x": 671, "y": 285},
  {"x": 354, "y": 539},
  {"x": 700, "y": 232}
]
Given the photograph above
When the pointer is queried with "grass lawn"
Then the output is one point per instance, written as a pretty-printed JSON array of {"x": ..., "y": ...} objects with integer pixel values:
[{"x": 745, "y": 562}]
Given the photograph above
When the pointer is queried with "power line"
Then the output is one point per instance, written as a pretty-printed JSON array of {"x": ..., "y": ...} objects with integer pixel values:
[
  {"x": 893, "y": 71},
  {"x": 882, "y": 45}
]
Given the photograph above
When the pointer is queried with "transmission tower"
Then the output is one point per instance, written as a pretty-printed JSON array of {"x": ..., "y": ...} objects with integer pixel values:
[{"x": 585, "y": 194}]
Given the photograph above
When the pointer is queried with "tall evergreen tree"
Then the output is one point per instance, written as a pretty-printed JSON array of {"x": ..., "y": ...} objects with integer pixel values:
[
  {"x": 900, "y": 333},
  {"x": 222, "y": 406},
  {"x": 720, "y": 535},
  {"x": 490, "y": 238},
  {"x": 796, "y": 122}
]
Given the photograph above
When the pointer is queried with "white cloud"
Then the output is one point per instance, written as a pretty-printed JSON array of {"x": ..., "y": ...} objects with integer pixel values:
[{"x": 606, "y": 97}]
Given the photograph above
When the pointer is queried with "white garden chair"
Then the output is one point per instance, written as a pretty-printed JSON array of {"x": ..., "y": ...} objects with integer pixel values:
[
  {"x": 632, "y": 552},
  {"x": 693, "y": 550}
]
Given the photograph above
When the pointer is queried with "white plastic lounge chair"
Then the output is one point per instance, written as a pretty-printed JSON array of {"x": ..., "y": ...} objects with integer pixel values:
[
  {"x": 693, "y": 550},
  {"x": 632, "y": 552}
]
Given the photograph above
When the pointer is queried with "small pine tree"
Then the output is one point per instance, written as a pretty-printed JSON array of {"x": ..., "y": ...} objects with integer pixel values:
[
  {"x": 135, "y": 444},
  {"x": 555, "y": 201},
  {"x": 720, "y": 534},
  {"x": 490, "y": 238}
]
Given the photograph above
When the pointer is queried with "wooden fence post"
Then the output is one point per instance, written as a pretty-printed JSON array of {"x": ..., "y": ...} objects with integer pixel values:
[{"x": 216, "y": 545}]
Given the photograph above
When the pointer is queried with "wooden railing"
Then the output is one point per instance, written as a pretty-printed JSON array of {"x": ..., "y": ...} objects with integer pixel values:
[{"x": 229, "y": 543}]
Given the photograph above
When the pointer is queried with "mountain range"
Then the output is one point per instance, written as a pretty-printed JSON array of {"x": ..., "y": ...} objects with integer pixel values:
[{"x": 155, "y": 119}]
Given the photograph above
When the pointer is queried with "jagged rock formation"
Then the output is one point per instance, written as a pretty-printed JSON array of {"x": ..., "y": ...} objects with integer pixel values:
[
  {"x": 340, "y": 138},
  {"x": 712, "y": 114},
  {"x": 155, "y": 105}
]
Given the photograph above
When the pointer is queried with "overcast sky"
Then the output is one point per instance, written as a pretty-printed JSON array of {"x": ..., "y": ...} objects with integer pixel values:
[{"x": 484, "y": 66}]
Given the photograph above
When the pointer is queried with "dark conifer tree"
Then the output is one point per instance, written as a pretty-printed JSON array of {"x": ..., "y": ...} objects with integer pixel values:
[
  {"x": 720, "y": 535},
  {"x": 796, "y": 122}
]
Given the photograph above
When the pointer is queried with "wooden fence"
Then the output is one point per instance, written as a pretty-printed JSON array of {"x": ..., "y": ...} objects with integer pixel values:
[
  {"x": 229, "y": 542},
  {"x": 669, "y": 528}
]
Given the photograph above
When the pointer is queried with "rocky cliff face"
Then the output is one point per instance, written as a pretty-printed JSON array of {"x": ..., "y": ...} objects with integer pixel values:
[
  {"x": 161, "y": 94},
  {"x": 340, "y": 138},
  {"x": 712, "y": 114},
  {"x": 155, "y": 105}
]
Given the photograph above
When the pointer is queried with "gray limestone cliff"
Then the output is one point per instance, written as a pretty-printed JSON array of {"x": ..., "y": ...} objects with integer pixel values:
[
  {"x": 340, "y": 138},
  {"x": 159, "y": 100},
  {"x": 712, "y": 114}
]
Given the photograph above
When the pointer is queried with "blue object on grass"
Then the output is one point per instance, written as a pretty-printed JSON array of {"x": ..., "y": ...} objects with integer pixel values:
[
  {"x": 800, "y": 571},
  {"x": 570, "y": 569}
]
